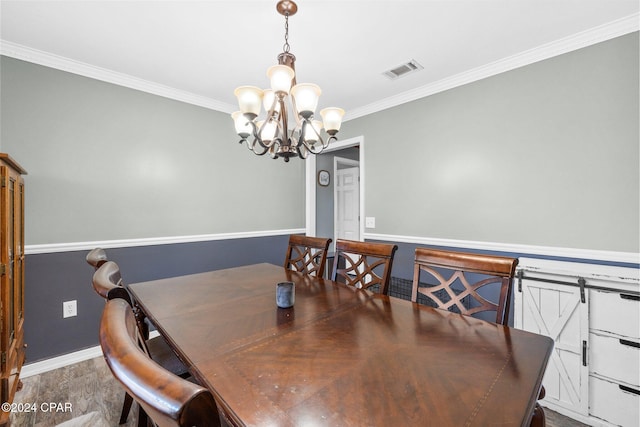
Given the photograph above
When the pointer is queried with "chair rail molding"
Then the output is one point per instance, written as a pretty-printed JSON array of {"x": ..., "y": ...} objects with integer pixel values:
[
  {"x": 151, "y": 241},
  {"x": 548, "y": 251}
]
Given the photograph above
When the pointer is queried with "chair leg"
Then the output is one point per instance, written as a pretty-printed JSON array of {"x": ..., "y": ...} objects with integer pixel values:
[
  {"x": 126, "y": 407},
  {"x": 538, "y": 419},
  {"x": 143, "y": 418}
]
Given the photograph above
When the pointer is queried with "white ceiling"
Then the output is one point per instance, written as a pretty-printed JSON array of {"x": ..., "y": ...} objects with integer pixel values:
[{"x": 199, "y": 51}]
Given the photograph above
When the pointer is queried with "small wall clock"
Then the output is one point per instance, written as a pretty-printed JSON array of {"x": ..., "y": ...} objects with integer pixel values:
[{"x": 323, "y": 178}]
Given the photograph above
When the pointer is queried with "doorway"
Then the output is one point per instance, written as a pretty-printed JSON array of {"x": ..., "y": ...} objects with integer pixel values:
[
  {"x": 315, "y": 213},
  {"x": 346, "y": 199}
]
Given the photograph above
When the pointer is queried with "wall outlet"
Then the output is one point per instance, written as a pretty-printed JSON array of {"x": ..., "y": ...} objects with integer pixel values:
[
  {"x": 69, "y": 309},
  {"x": 370, "y": 222}
]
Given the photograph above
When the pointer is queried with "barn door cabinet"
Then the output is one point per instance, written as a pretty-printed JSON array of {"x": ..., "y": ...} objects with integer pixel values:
[
  {"x": 11, "y": 278},
  {"x": 592, "y": 312}
]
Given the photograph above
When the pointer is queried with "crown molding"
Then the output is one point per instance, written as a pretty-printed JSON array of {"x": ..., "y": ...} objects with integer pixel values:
[
  {"x": 51, "y": 60},
  {"x": 576, "y": 41},
  {"x": 586, "y": 38}
]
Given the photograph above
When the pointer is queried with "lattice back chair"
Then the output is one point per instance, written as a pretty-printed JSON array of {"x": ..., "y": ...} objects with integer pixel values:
[
  {"x": 457, "y": 288},
  {"x": 107, "y": 282},
  {"x": 307, "y": 255},
  {"x": 363, "y": 265},
  {"x": 165, "y": 398},
  {"x": 96, "y": 257}
]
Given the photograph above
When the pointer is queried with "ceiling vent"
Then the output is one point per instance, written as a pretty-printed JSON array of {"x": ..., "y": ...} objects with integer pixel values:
[{"x": 404, "y": 69}]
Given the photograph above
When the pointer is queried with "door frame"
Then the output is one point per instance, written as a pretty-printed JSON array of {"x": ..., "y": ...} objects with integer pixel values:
[
  {"x": 351, "y": 163},
  {"x": 310, "y": 174}
]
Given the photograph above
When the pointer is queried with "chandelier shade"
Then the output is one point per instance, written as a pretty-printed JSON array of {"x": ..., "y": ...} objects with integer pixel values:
[{"x": 273, "y": 134}]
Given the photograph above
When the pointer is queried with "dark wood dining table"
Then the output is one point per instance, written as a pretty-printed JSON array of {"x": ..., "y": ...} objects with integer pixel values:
[{"x": 341, "y": 356}]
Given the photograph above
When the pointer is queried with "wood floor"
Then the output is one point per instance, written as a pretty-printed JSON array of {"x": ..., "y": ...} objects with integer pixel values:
[{"x": 90, "y": 388}]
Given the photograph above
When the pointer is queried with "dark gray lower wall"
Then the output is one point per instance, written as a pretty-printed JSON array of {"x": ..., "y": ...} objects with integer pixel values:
[{"x": 57, "y": 277}]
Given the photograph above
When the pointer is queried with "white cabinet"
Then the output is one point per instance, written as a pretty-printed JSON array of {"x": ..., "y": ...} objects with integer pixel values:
[{"x": 593, "y": 314}]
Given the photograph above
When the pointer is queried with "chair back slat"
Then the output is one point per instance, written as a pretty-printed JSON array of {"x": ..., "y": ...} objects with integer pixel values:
[
  {"x": 455, "y": 290},
  {"x": 363, "y": 264},
  {"x": 307, "y": 255}
]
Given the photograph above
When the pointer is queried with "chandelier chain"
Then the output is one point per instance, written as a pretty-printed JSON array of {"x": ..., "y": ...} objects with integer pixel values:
[{"x": 286, "y": 46}]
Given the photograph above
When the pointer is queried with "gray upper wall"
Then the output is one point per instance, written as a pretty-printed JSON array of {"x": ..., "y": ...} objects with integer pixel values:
[
  {"x": 107, "y": 162},
  {"x": 546, "y": 155}
]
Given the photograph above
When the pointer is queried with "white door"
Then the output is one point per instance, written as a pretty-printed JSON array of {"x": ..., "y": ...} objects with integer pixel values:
[
  {"x": 556, "y": 311},
  {"x": 347, "y": 203}
]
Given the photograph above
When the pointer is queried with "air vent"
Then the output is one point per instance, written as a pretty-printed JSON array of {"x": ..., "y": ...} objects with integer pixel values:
[{"x": 404, "y": 69}]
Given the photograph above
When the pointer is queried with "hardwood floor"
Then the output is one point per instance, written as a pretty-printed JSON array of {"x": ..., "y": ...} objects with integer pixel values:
[{"x": 89, "y": 388}]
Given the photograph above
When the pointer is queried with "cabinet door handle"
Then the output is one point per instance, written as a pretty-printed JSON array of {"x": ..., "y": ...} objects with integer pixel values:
[
  {"x": 629, "y": 389},
  {"x": 629, "y": 343},
  {"x": 631, "y": 297},
  {"x": 584, "y": 353}
]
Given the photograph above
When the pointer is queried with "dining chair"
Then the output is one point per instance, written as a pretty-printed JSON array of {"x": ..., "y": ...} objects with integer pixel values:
[
  {"x": 459, "y": 276},
  {"x": 363, "y": 265},
  {"x": 165, "y": 398},
  {"x": 307, "y": 254},
  {"x": 449, "y": 268},
  {"x": 107, "y": 282},
  {"x": 96, "y": 257}
]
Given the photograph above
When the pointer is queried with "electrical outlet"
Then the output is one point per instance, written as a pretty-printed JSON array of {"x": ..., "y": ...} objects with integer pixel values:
[
  {"x": 370, "y": 222},
  {"x": 69, "y": 309}
]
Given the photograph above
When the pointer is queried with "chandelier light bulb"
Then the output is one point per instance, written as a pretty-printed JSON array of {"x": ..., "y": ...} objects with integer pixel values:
[
  {"x": 306, "y": 97},
  {"x": 249, "y": 99},
  {"x": 280, "y": 77},
  {"x": 267, "y": 130},
  {"x": 309, "y": 134},
  {"x": 242, "y": 123},
  {"x": 268, "y": 98},
  {"x": 332, "y": 118}
]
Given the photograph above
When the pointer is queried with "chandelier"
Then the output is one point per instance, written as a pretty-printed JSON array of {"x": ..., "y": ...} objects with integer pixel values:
[{"x": 272, "y": 135}]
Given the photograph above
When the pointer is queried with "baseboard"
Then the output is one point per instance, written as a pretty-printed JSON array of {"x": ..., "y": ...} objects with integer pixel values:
[{"x": 52, "y": 363}]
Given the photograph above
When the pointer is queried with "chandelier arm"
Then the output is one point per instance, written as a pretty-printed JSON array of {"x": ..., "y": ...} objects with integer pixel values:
[
  {"x": 257, "y": 149},
  {"x": 303, "y": 151},
  {"x": 275, "y": 148},
  {"x": 312, "y": 148}
]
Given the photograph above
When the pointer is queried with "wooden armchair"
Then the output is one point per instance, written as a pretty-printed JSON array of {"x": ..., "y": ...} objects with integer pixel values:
[
  {"x": 166, "y": 398},
  {"x": 467, "y": 300},
  {"x": 453, "y": 268},
  {"x": 363, "y": 264},
  {"x": 96, "y": 257},
  {"x": 307, "y": 255},
  {"x": 107, "y": 282}
]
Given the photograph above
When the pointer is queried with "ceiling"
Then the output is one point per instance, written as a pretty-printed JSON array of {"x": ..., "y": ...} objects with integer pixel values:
[{"x": 199, "y": 51}]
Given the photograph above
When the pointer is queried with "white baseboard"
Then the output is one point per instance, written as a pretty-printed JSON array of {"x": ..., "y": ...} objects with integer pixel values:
[{"x": 47, "y": 365}]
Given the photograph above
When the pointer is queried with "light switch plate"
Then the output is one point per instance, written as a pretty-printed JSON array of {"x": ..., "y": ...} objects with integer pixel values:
[{"x": 370, "y": 222}]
